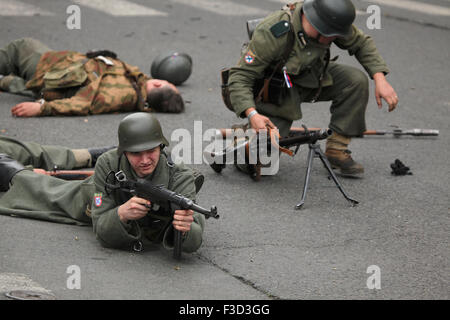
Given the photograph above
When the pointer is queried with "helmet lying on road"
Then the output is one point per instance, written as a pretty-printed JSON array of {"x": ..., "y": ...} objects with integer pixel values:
[
  {"x": 175, "y": 67},
  {"x": 138, "y": 132},
  {"x": 330, "y": 17}
]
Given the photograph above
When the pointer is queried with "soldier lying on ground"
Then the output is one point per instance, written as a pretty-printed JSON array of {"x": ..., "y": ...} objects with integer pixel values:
[
  {"x": 303, "y": 33},
  {"x": 119, "y": 219},
  {"x": 71, "y": 83}
]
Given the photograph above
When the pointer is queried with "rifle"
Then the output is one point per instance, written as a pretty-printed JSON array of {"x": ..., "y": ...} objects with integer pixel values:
[
  {"x": 67, "y": 174},
  {"x": 160, "y": 195},
  {"x": 295, "y": 139},
  {"x": 397, "y": 132}
]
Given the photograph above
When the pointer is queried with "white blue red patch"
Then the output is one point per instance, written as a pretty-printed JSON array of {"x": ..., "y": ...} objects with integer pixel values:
[
  {"x": 98, "y": 199},
  {"x": 249, "y": 58}
]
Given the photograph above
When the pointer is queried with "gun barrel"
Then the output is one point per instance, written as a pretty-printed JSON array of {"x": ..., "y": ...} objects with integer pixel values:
[
  {"x": 419, "y": 132},
  {"x": 303, "y": 138},
  {"x": 205, "y": 212}
]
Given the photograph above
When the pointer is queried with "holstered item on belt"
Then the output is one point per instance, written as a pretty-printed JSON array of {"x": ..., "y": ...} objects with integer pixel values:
[
  {"x": 224, "y": 74},
  {"x": 271, "y": 89}
]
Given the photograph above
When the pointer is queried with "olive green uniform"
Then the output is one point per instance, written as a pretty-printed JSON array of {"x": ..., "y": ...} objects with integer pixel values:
[
  {"x": 111, "y": 232},
  {"x": 345, "y": 86},
  {"x": 18, "y": 62},
  {"x": 42, "y": 156},
  {"x": 47, "y": 198}
]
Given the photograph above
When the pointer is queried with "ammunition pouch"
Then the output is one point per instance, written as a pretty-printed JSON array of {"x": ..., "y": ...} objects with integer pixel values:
[{"x": 73, "y": 76}]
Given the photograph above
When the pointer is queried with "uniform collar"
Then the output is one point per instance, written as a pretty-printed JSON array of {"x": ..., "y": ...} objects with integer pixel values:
[{"x": 298, "y": 29}]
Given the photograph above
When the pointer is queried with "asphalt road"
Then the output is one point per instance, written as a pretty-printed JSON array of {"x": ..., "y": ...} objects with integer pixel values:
[{"x": 260, "y": 248}]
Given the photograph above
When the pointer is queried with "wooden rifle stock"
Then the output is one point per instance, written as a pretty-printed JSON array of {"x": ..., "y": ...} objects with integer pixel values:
[{"x": 67, "y": 174}]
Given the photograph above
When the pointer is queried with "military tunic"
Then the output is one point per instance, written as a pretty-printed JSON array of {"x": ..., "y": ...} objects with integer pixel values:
[
  {"x": 48, "y": 198},
  {"x": 111, "y": 232},
  {"x": 305, "y": 64}
]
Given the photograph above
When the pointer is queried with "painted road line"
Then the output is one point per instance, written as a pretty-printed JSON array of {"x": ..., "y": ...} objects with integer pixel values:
[
  {"x": 223, "y": 7},
  {"x": 18, "y": 9},
  {"x": 414, "y": 6},
  {"x": 120, "y": 8}
]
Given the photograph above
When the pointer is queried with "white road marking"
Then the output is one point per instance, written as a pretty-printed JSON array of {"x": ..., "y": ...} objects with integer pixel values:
[
  {"x": 358, "y": 12},
  {"x": 223, "y": 7},
  {"x": 17, "y": 281},
  {"x": 403, "y": 4},
  {"x": 415, "y": 6},
  {"x": 120, "y": 8},
  {"x": 18, "y": 9}
]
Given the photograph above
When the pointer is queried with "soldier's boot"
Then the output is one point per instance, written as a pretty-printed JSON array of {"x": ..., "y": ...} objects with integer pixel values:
[
  {"x": 97, "y": 152},
  {"x": 8, "y": 169},
  {"x": 339, "y": 156}
]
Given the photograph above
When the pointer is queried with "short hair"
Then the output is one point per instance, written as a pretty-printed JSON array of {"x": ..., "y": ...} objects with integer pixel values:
[{"x": 165, "y": 99}]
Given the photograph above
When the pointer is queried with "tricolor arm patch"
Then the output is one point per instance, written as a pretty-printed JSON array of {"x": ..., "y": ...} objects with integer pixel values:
[{"x": 98, "y": 199}]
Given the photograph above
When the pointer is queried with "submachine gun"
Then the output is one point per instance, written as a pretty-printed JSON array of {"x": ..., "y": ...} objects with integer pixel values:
[
  {"x": 295, "y": 139},
  {"x": 160, "y": 195}
]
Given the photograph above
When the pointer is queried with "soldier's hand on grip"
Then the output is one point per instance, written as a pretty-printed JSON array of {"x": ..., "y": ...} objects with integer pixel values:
[{"x": 134, "y": 209}]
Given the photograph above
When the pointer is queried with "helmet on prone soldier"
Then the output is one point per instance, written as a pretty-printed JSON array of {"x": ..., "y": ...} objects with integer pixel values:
[{"x": 138, "y": 132}]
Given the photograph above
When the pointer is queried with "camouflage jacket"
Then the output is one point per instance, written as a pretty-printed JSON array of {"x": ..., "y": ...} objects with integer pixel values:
[{"x": 106, "y": 88}]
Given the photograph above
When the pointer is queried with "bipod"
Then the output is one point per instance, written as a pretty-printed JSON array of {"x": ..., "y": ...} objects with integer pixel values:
[{"x": 316, "y": 152}]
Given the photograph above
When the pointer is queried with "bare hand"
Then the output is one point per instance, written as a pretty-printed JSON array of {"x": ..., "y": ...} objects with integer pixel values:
[
  {"x": 26, "y": 109},
  {"x": 384, "y": 90},
  {"x": 134, "y": 209},
  {"x": 182, "y": 220},
  {"x": 260, "y": 122}
]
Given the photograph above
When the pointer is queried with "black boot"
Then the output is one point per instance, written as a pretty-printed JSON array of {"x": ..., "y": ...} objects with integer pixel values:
[
  {"x": 8, "y": 168},
  {"x": 97, "y": 152}
]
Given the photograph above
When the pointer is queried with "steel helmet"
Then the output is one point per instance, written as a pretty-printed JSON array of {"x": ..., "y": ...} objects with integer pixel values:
[
  {"x": 174, "y": 66},
  {"x": 138, "y": 132},
  {"x": 330, "y": 17}
]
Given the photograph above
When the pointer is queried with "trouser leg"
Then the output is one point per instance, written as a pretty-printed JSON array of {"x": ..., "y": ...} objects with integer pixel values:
[
  {"x": 349, "y": 95},
  {"x": 20, "y": 57},
  {"x": 45, "y": 157},
  {"x": 18, "y": 61}
]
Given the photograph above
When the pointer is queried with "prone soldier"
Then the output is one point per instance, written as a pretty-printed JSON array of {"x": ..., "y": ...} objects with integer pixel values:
[
  {"x": 71, "y": 83},
  {"x": 119, "y": 219}
]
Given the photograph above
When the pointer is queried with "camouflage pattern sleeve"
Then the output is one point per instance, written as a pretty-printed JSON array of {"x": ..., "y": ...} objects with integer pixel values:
[{"x": 76, "y": 106}]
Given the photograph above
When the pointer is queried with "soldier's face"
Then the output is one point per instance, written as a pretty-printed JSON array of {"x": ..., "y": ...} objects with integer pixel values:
[
  {"x": 144, "y": 162},
  {"x": 157, "y": 83}
]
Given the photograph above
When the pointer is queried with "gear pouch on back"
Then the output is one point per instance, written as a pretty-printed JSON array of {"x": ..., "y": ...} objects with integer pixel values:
[{"x": 73, "y": 76}]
